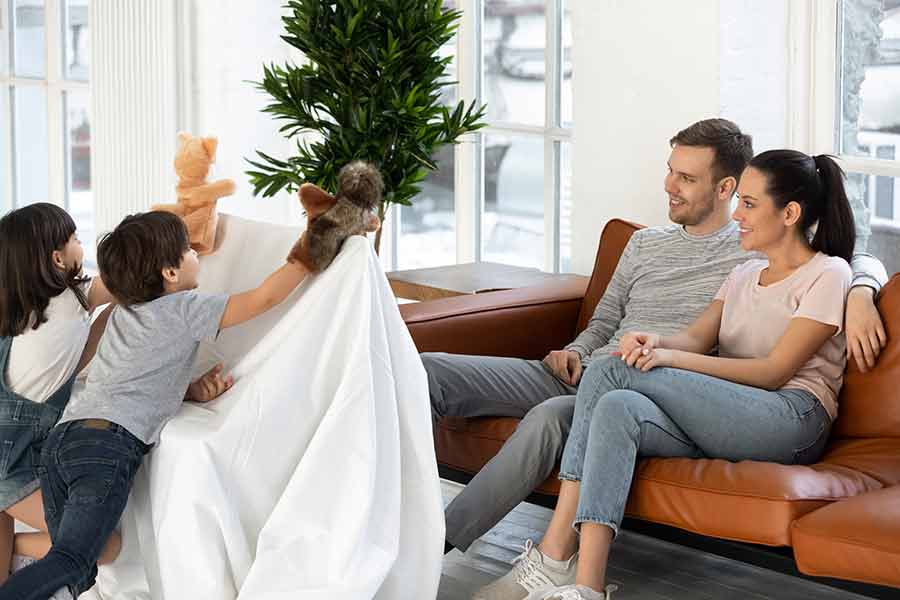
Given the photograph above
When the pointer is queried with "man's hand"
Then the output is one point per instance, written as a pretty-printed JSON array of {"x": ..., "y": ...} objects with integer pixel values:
[
  {"x": 565, "y": 364},
  {"x": 636, "y": 344},
  {"x": 865, "y": 333},
  {"x": 210, "y": 386},
  {"x": 658, "y": 357}
]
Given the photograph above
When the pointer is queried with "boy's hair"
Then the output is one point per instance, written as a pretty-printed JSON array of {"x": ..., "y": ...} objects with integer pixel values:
[
  {"x": 133, "y": 255},
  {"x": 732, "y": 148},
  {"x": 28, "y": 276}
]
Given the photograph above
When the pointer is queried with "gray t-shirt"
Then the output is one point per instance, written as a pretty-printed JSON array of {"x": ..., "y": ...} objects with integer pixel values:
[
  {"x": 666, "y": 277},
  {"x": 142, "y": 368}
]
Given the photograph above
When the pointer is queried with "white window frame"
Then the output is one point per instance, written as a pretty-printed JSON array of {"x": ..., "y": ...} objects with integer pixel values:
[
  {"x": 815, "y": 93},
  {"x": 469, "y": 155},
  {"x": 56, "y": 86}
]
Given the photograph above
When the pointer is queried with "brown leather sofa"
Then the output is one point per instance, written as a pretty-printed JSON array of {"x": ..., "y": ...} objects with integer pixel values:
[{"x": 841, "y": 515}]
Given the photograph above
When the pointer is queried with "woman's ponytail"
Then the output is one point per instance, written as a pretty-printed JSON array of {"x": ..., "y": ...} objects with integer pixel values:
[{"x": 836, "y": 231}]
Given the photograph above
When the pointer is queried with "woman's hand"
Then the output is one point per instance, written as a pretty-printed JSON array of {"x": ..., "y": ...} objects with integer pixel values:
[
  {"x": 210, "y": 386},
  {"x": 636, "y": 344},
  {"x": 658, "y": 357}
]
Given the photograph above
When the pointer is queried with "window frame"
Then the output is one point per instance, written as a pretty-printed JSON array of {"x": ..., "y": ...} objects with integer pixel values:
[
  {"x": 56, "y": 86},
  {"x": 816, "y": 92},
  {"x": 469, "y": 154}
]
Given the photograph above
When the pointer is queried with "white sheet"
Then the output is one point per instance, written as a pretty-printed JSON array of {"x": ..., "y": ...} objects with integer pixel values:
[{"x": 314, "y": 476}]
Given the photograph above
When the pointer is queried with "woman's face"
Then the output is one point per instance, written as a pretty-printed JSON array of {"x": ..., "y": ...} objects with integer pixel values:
[{"x": 762, "y": 224}]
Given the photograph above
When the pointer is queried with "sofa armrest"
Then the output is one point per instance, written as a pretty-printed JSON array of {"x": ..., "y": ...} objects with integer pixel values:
[{"x": 524, "y": 323}]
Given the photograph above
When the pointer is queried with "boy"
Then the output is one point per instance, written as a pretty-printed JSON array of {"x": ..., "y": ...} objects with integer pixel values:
[{"x": 139, "y": 377}]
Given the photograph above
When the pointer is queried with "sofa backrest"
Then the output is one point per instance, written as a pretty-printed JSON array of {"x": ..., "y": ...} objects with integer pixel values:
[
  {"x": 613, "y": 240},
  {"x": 869, "y": 405}
]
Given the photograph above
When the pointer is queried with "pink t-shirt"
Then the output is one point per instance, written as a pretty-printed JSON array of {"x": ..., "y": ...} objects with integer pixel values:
[{"x": 755, "y": 317}]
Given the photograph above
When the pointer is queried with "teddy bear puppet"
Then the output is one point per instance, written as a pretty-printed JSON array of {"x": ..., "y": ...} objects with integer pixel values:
[
  {"x": 332, "y": 219},
  {"x": 196, "y": 198}
]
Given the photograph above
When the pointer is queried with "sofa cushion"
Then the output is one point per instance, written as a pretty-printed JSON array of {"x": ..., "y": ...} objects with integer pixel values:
[
  {"x": 855, "y": 539},
  {"x": 869, "y": 404},
  {"x": 704, "y": 496}
]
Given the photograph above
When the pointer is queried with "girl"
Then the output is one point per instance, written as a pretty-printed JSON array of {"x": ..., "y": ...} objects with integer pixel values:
[
  {"x": 769, "y": 395},
  {"x": 46, "y": 337}
]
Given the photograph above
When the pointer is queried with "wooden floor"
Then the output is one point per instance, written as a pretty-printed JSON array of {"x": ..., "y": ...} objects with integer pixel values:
[{"x": 643, "y": 567}]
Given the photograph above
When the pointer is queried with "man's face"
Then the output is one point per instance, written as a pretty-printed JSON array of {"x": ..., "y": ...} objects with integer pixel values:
[{"x": 690, "y": 185}]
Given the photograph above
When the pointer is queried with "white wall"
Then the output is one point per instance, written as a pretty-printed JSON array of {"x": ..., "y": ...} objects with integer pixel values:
[
  {"x": 233, "y": 39},
  {"x": 644, "y": 69}
]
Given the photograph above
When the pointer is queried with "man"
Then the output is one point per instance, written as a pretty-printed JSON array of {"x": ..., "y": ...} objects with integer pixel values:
[{"x": 663, "y": 281}]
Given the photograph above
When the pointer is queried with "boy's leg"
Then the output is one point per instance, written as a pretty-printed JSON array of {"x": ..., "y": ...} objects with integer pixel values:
[{"x": 89, "y": 472}]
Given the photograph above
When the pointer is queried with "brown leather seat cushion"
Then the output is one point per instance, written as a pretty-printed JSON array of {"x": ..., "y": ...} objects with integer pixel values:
[
  {"x": 704, "y": 496},
  {"x": 855, "y": 539}
]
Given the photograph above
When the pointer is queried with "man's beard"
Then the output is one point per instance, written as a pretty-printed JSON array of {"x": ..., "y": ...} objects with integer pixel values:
[{"x": 697, "y": 215}]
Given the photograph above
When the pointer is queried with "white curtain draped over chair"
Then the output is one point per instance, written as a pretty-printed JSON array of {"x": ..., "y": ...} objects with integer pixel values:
[{"x": 314, "y": 476}]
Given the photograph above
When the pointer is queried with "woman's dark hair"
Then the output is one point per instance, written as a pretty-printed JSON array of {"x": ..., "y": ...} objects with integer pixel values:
[
  {"x": 28, "y": 276},
  {"x": 133, "y": 255},
  {"x": 817, "y": 185}
]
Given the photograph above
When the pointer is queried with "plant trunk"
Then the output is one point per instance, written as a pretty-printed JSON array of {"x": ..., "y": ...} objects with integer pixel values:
[{"x": 381, "y": 214}]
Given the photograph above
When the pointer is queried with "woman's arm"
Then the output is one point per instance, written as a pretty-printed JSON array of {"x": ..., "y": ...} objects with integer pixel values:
[
  {"x": 277, "y": 286},
  {"x": 800, "y": 342},
  {"x": 700, "y": 337}
]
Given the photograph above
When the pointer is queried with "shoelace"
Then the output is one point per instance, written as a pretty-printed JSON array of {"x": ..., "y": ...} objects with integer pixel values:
[{"x": 528, "y": 575}]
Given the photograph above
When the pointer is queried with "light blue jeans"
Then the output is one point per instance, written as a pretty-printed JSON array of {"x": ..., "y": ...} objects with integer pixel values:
[{"x": 622, "y": 413}]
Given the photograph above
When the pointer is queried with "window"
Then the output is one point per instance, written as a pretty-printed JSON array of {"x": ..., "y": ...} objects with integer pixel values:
[
  {"x": 867, "y": 121},
  {"x": 511, "y": 199},
  {"x": 45, "y": 124}
]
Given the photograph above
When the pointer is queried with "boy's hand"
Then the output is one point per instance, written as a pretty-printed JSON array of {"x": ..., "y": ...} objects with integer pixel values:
[{"x": 210, "y": 386}]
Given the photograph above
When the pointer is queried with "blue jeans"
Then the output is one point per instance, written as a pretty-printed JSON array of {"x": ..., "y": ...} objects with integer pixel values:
[
  {"x": 86, "y": 474},
  {"x": 622, "y": 413}
]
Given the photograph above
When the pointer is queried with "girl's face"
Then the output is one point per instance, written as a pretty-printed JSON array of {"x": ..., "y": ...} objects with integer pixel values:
[
  {"x": 70, "y": 257},
  {"x": 763, "y": 225}
]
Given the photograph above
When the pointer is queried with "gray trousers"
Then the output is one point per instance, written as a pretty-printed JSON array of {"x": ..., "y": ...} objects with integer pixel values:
[{"x": 482, "y": 386}]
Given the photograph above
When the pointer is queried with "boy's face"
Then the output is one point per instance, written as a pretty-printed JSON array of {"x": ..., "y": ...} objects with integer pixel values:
[{"x": 187, "y": 272}]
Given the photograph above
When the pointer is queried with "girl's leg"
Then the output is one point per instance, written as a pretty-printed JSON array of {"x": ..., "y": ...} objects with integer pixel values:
[
  {"x": 30, "y": 511},
  {"x": 561, "y": 540},
  {"x": 596, "y": 540}
]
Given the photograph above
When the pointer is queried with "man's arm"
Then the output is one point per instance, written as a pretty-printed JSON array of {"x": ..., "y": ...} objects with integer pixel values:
[
  {"x": 611, "y": 309},
  {"x": 865, "y": 332}
]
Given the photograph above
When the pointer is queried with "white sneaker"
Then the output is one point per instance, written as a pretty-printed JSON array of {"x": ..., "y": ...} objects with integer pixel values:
[
  {"x": 530, "y": 574},
  {"x": 575, "y": 592}
]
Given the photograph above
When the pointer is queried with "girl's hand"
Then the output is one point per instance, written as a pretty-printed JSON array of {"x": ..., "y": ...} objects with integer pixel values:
[
  {"x": 658, "y": 357},
  {"x": 210, "y": 386},
  {"x": 636, "y": 344}
]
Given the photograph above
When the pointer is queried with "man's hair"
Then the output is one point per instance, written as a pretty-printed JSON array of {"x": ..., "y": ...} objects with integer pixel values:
[
  {"x": 732, "y": 149},
  {"x": 133, "y": 255}
]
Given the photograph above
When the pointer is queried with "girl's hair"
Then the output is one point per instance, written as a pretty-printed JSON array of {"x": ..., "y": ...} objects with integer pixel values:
[
  {"x": 817, "y": 185},
  {"x": 28, "y": 276}
]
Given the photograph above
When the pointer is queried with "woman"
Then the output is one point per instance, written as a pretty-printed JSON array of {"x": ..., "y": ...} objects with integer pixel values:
[{"x": 769, "y": 395}]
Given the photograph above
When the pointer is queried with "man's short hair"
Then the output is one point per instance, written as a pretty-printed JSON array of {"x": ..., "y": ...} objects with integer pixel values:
[
  {"x": 133, "y": 255},
  {"x": 732, "y": 148}
]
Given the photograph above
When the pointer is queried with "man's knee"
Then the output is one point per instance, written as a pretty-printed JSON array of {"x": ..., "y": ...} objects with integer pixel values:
[{"x": 549, "y": 422}]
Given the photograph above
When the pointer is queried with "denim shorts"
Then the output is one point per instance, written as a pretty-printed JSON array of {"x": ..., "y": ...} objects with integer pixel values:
[{"x": 24, "y": 426}]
